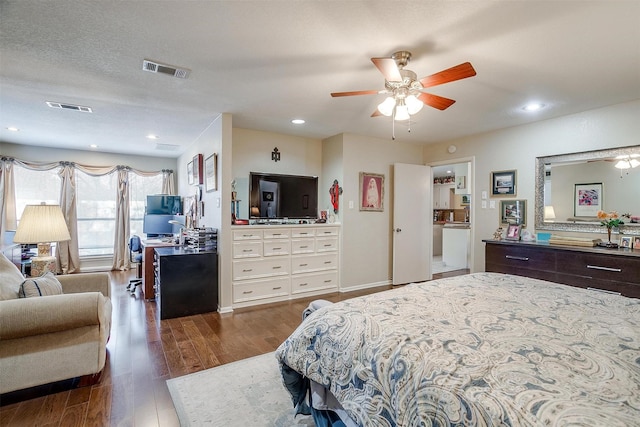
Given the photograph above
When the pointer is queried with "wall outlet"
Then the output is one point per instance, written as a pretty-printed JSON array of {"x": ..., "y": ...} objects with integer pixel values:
[
  {"x": 492, "y": 204},
  {"x": 484, "y": 195},
  {"x": 484, "y": 204},
  {"x": 218, "y": 202},
  {"x": 350, "y": 204}
]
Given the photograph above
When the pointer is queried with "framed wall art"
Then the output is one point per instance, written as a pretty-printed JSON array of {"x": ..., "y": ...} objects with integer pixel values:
[
  {"x": 588, "y": 199},
  {"x": 197, "y": 169},
  {"x": 371, "y": 192},
  {"x": 190, "y": 173},
  {"x": 513, "y": 212},
  {"x": 503, "y": 183},
  {"x": 211, "y": 173}
]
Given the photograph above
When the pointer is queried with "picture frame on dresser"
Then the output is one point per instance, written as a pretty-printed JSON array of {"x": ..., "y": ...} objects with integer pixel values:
[
  {"x": 503, "y": 183},
  {"x": 588, "y": 199},
  {"x": 626, "y": 242},
  {"x": 513, "y": 232}
]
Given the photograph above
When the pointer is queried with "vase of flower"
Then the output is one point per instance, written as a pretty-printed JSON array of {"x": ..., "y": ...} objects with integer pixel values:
[{"x": 610, "y": 220}]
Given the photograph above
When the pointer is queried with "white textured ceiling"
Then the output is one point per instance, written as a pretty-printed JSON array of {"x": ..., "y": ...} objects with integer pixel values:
[{"x": 267, "y": 62}]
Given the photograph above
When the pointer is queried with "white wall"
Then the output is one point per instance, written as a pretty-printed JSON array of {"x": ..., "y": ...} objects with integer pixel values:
[{"x": 517, "y": 148}]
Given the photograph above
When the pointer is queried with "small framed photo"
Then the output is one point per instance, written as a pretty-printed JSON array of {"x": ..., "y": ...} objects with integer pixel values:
[
  {"x": 636, "y": 243},
  {"x": 190, "y": 173},
  {"x": 513, "y": 232},
  {"x": 503, "y": 183},
  {"x": 626, "y": 242},
  {"x": 466, "y": 200},
  {"x": 513, "y": 212},
  {"x": 461, "y": 182},
  {"x": 371, "y": 192},
  {"x": 211, "y": 173},
  {"x": 587, "y": 199}
]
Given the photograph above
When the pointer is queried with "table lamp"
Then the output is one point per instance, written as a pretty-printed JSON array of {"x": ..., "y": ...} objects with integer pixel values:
[
  {"x": 42, "y": 224},
  {"x": 549, "y": 213}
]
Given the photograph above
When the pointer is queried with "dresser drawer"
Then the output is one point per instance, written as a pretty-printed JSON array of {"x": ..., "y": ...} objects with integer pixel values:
[
  {"x": 258, "y": 289},
  {"x": 253, "y": 269},
  {"x": 520, "y": 257},
  {"x": 276, "y": 234},
  {"x": 247, "y": 234},
  {"x": 326, "y": 232},
  {"x": 303, "y": 246},
  {"x": 598, "y": 266},
  {"x": 276, "y": 247},
  {"x": 326, "y": 244},
  {"x": 304, "y": 232},
  {"x": 309, "y": 263},
  {"x": 314, "y": 282},
  {"x": 248, "y": 249}
]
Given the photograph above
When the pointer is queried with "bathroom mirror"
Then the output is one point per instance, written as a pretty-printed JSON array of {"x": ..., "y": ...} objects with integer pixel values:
[{"x": 611, "y": 175}]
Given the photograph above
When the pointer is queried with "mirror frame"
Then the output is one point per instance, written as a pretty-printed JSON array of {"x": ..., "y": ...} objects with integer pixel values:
[{"x": 583, "y": 227}]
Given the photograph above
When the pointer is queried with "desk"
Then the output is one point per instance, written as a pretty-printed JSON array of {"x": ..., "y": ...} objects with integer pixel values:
[
  {"x": 148, "y": 246},
  {"x": 186, "y": 280}
]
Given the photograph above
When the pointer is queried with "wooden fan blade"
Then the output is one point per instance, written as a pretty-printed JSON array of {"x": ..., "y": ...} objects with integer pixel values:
[
  {"x": 388, "y": 68},
  {"x": 435, "y": 101},
  {"x": 452, "y": 74},
  {"x": 357, "y": 92},
  {"x": 376, "y": 113}
]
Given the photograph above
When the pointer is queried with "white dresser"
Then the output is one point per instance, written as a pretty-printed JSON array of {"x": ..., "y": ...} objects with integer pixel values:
[{"x": 280, "y": 262}]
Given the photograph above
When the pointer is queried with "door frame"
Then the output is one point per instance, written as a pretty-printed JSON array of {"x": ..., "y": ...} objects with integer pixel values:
[{"x": 472, "y": 213}]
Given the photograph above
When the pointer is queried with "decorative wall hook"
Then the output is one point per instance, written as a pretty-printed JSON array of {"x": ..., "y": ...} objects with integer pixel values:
[{"x": 275, "y": 155}]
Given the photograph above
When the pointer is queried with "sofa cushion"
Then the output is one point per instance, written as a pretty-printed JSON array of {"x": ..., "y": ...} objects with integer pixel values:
[
  {"x": 47, "y": 284},
  {"x": 10, "y": 279}
]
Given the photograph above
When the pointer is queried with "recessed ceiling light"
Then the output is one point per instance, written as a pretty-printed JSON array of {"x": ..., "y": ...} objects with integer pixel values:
[
  {"x": 297, "y": 121},
  {"x": 151, "y": 136},
  {"x": 533, "y": 106},
  {"x": 93, "y": 146},
  {"x": 13, "y": 129}
]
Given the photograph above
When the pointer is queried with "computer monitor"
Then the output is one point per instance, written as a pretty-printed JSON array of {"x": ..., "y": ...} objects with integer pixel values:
[{"x": 157, "y": 225}]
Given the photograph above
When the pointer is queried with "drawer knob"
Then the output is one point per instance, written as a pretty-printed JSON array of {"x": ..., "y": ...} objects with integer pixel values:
[
  {"x": 597, "y": 267},
  {"x": 327, "y": 262},
  {"x": 304, "y": 247},
  {"x": 247, "y": 292},
  {"x": 277, "y": 287},
  {"x": 246, "y": 270},
  {"x": 328, "y": 281},
  {"x": 327, "y": 245},
  {"x": 303, "y": 265},
  {"x": 275, "y": 267},
  {"x": 517, "y": 258},
  {"x": 247, "y": 250},
  {"x": 277, "y": 249},
  {"x": 303, "y": 284}
]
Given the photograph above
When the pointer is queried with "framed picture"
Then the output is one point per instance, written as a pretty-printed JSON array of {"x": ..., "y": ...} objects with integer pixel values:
[
  {"x": 461, "y": 182},
  {"x": 197, "y": 169},
  {"x": 503, "y": 183},
  {"x": 190, "y": 173},
  {"x": 466, "y": 200},
  {"x": 211, "y": 173},
  {"x": 513, "y": 212},
  {"x": 626, "y": 242},
  {"x": 513, "y": 232},
  {"x": 636, "y": 243},
  {"x": 587, "y": 199},
  {"x": 371, "y": 192}
]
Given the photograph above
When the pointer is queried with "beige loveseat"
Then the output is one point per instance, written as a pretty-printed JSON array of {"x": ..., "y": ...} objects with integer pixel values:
[{"x": 51, "y": 338}]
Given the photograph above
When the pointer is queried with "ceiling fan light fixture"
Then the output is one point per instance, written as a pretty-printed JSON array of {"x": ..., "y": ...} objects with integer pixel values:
[
  {"x": 634, "y": 163},
  {"x": 402, "y": 112},
  {"x": 414, "y": 105},
  {"x": 386, "y": 106}
]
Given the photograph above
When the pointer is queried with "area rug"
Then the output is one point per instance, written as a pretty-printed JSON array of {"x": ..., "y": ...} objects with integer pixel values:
[{"x": 248, "y": 392}]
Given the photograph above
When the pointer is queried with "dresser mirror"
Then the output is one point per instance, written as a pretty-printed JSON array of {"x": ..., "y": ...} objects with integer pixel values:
[{"x": 612, "y": 175}]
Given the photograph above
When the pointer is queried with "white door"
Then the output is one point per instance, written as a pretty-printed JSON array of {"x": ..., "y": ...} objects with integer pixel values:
[{"x": 412, "y": 223}]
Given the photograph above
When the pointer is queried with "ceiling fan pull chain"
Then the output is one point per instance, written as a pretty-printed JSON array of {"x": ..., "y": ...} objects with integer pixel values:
[{"x": 393, "y": 125}]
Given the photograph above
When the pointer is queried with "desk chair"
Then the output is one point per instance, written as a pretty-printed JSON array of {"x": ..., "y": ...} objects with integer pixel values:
[{"x": 135, "y": 256}]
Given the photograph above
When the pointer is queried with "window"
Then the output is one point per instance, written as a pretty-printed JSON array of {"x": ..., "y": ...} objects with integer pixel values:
[{"x": 95, "y": 202}]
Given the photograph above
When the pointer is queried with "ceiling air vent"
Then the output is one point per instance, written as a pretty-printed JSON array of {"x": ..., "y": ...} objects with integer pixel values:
[
  {"x": 167, "y": 147},
  {"x": 156, "y": 67},
  {"x": 70, "y": 107}
]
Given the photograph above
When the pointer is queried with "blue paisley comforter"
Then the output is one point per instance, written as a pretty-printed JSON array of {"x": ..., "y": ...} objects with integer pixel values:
[{"x": 484, "y": 349}]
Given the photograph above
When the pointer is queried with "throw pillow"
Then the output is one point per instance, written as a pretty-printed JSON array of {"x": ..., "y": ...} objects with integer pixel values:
[
  {"x": 10, "y": 279},
  {"x": 47, "y": 284}
]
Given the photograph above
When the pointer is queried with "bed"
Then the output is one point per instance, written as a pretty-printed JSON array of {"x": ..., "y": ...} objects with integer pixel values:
[{"x": 484, "y": 349}]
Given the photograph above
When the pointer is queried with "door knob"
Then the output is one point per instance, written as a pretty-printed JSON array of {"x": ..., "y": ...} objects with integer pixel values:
[{"x": 397, "y": 230}]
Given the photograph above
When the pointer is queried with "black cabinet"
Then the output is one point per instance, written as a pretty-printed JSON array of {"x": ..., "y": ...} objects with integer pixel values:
[{"x": 186, "y": 281}]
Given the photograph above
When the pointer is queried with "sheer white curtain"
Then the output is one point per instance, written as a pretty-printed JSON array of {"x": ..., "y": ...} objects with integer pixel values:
[
  {"x": 67, "y": 253},
  {"x": 8, "y": 220},
  {"x": 120, "y": 245}
]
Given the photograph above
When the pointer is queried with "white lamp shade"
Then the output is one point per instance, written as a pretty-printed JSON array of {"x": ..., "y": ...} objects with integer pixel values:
[
  {"x": 634, "y": 163},
  {"x": 402, "y": 113},
  {"x": 42, "y": 223},
  {"x": 549, "y": 213},
  {"x": 386, "y": 106},
  {"x": 414, "y": 105}
]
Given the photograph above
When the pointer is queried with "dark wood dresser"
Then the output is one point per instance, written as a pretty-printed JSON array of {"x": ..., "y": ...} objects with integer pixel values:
[{"x": 614, "y": 270}]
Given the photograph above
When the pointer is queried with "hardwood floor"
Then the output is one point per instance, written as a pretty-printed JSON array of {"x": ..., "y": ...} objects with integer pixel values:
[{"x": 144, "y": 352}]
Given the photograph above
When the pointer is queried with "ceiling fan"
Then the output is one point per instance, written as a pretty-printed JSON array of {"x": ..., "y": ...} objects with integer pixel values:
[{"x": 405, "y": 90}]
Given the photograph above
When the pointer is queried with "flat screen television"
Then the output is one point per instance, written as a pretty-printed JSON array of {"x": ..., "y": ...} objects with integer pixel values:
[
  {"x": 163, "y": 204},
  {"x": 282, "y": 196}
]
